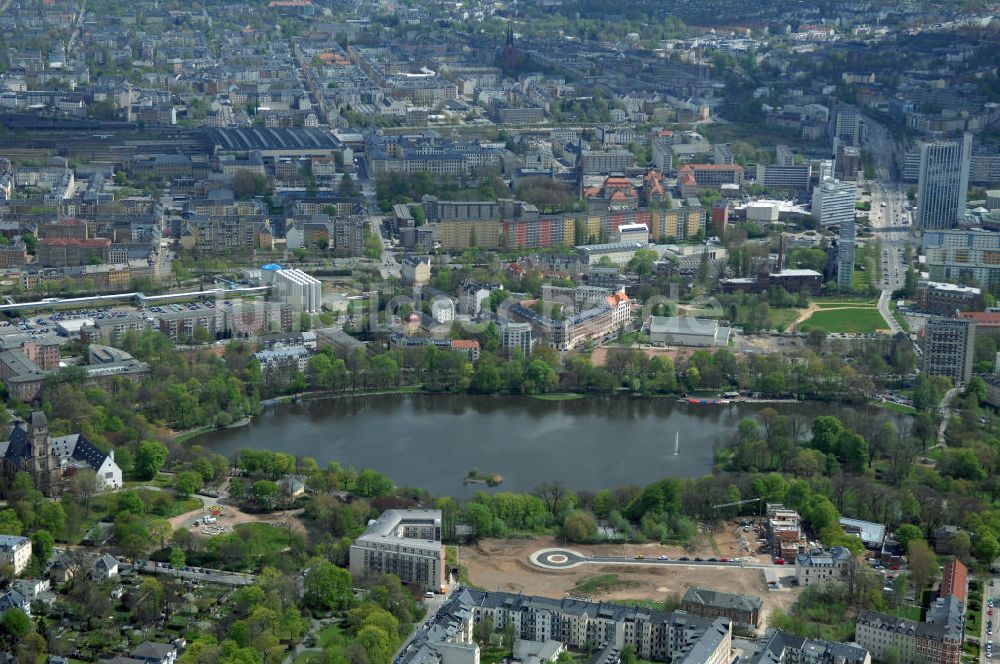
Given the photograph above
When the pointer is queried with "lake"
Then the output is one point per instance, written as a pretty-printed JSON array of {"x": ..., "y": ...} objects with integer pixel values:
[{"x": 432, "y": 441}]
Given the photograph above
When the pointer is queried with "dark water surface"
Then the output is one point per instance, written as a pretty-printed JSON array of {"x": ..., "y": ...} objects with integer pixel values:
[{"x": 432, "y": 441}]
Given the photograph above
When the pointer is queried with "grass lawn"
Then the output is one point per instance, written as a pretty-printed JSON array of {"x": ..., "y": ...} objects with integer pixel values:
[
  {"x": 493, "y": 655},
  {"x": 328, "y": 636},
  {"x": 187, "y": 435},
  {"x": 843, "y": 302},
  {"x": 782, "y": 318},
  {"x": 972, "y": 622},
  {"x": 308, "y": 657},
  {"x": 184, "y": 506},
  {"x": 633, "y": 337},
  {"x": 898, "y": 408},
  {"x": 266, "y": 539},
  {"x": 857, "y": 321},
  {"x": 898, "y": 315},
  {"x": 560, "y": 396},
  {"x": 603, "y": 583},
  {"x": 909, "y": 611},
  {"x": 162, "y": 480},
  {"x": 759, "y": 136}
]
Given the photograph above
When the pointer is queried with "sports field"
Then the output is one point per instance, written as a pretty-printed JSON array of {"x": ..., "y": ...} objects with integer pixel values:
[{"x": 855, "y": 320}]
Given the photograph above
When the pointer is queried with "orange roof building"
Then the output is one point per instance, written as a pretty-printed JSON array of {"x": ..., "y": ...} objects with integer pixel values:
[{"x": 616, "y": 194}]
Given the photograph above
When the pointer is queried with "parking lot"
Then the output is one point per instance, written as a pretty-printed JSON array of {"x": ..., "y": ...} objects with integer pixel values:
[{"x": 42, "y": 324}]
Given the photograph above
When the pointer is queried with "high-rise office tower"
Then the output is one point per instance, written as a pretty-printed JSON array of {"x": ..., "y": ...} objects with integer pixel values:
[
  {"x": 845, "y": 256},
  {"x": 948, "y": 348},
  {"x": 833, "y": 202},
  {"x": 833, "y": 205},
  {"x": 943, "y": 183},
  {"x": 847, "y": 125}
]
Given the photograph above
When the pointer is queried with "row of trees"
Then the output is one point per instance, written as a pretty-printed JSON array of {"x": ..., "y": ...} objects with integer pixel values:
[{"x": 804, "y": 374}]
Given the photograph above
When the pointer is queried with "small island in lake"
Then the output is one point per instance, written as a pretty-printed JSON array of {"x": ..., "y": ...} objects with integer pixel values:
[{"x": 489, "y": 479}]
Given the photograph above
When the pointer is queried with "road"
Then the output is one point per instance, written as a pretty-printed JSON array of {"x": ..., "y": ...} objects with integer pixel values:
[
  {"x": 568, "y": 559},
  {"x": 890, "y": 218},
  {"x": 432, "y": 605},
  {"x": 945, "y": 411},
  {"x": 985, "y": 635}
]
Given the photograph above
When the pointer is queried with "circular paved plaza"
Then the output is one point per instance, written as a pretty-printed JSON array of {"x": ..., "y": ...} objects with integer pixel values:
[{"x": 557, "y": 558}]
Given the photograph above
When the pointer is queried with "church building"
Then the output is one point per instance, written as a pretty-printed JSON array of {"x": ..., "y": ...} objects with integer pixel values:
[{"x": 52, "y": 461}]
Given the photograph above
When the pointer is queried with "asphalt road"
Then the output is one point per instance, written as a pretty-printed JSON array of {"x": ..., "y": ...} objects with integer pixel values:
[
  {"x": 622, "y": 560},
  {"x": 566, "y": 559},
  {"x": 889, "y": 217},
  {"x": 985, "y": 637}
]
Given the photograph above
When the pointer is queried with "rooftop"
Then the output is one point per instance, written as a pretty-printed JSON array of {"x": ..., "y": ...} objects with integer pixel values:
[
  {"x": 869, "y": 532},
  {"x": 718, "y": 599}
]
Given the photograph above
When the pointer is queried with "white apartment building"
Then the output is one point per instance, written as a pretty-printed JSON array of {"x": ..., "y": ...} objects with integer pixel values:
[
  {"x": 16, "y": 551},
  {"x": 443, "y": 310},
  {"x": 294, "y": 287},
  {"x": 406, "y": 543}
]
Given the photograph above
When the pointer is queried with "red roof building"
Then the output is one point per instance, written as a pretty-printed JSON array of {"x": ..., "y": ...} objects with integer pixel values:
[
  {"x": 984, "y": 319},
  {"x": 69, "y": 252},
  {"x": 954, "y": 580}
]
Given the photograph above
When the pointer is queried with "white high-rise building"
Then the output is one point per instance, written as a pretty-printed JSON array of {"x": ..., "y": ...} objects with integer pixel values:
[
  {"x": 833, "y": 202},
  {"x": 943, "y": 183},
  {"x": 833, "y": 205},
  {"x": 294, "y": 287}
]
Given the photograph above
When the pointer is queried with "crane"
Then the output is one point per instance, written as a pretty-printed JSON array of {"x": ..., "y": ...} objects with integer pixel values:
[{"x": 735, "y": 503}]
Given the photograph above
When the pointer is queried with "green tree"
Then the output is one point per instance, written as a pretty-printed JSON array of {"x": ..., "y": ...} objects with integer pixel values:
[
  {"x": 327, "y": 587},
  {"x": 187, "y": 482},
  {"x": 482, "y": 631},
  {"x": 372, "y": 245},
  {"x": 372, "y": 484},
  {"x": 177, "y": 557},
  {"x": 42, "y": 544},
  {"x": 10, "y": 524},
  {"x": 377, "y": 644},
  {"x": 906, "y": 533},
  {"x": 923, "y": 563},
  {"x": 149, "y": 459},
  {"x": 985, "y": 546},
  {"x": 15, "y": 624},
  {"x": 129, "y": 501},
  {"x": 265, "y": 492},
  {"x": 580, "y": 526},
  {"x": 52, "y": 517},
  {"x": 486, "y": 377}
]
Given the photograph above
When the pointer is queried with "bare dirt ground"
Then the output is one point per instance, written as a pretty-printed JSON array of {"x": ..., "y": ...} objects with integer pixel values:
[
  {"x": 766, "y": 343},
  {"x": 599, "y": 356},
  {"x": 232, "y": 516},
  {"x": 504, "y": 565},
  {"x": 804, "y": 314}
]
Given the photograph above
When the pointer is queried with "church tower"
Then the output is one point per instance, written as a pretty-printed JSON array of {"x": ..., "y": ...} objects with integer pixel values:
[
  {"x": 44, "y": 462},
  {"x": 509, "y": 57}
]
